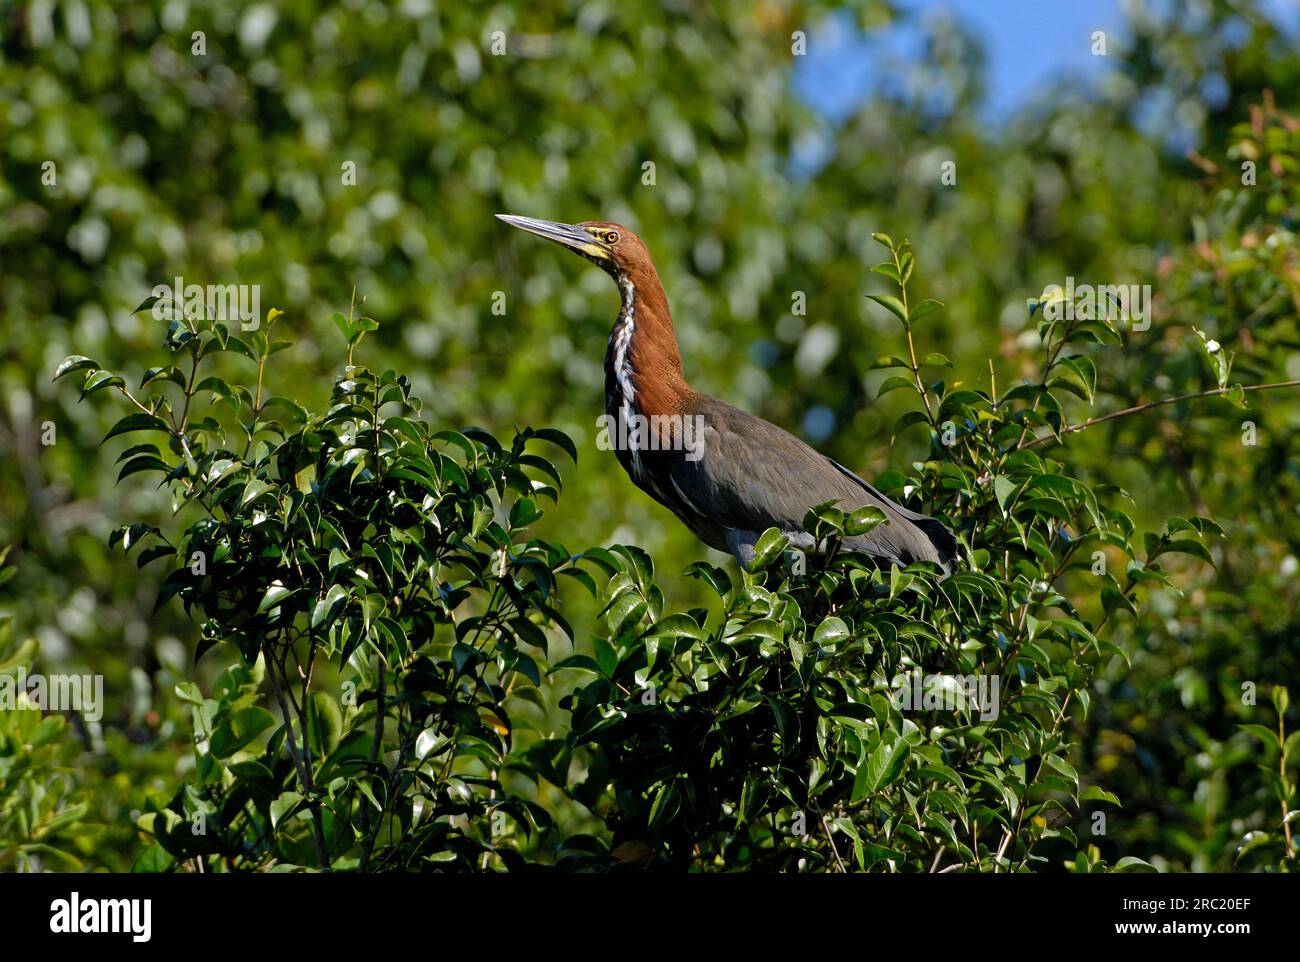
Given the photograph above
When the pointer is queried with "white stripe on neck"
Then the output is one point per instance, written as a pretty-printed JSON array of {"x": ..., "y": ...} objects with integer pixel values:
[{"x": 621, "y": 339}]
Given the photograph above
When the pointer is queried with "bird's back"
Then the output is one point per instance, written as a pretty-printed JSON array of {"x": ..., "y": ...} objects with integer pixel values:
[{"x": 749, "y": 475}]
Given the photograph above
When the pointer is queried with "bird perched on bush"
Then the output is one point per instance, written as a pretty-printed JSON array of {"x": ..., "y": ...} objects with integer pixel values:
[{"x": 727, "y": 474}]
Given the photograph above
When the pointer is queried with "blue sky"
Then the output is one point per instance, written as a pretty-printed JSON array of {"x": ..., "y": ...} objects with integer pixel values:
[{"x": 1029, "y": 44}]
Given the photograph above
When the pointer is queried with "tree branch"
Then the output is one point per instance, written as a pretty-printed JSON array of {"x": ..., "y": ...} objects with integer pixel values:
[
  {"x": 304, "y": 773},
  {"x": 1135, "y": 409}
]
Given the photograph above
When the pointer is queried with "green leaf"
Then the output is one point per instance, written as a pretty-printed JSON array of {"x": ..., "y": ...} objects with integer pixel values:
[
  {"x": 147, "y": 303},
  {"x": 1187, "y": 546},
  {"x": 830, "y": 631},
  {"x": 675, "y": 626},
  {"x": 770, "y": 546},
  {"x": 893, "y": 304},
  {"x": 578, "y": 663},
  {"x": 906, "y": 263},
  {"x": 1219, "y": 359},
  {"x": 925, "y": 309},
  {"x": 284, "y": 805},
  {"x": 558, "y": 438},
  {"x": 137, "y": 421},
  {"x": 143, "y": 463},
  {"x": 74, "y": 362},
  {"x": 1130, "y": 863},
  {"x": 462, "y": 655},
  {"x": 624, "y": 612},
  {"x": 1112, "y": 599},
  {"x": 189, "y": 692},
  {"x": 716, "y": 577},
  {"x": 154, "y": 859},
  {"x": 888, "y": 361},
  {"x": 666, "y": 804},
  {"x": 273, "y": 596},
  {"x": 297, "y": 413},
  {"x": 1094, "y": 793},
  {"x": 1075, "y": 375},
  {"x": 1267, "y": 735},
  {"x": 167, "y": 373},
  {"x": 324, "y": 723},
  {"x": 242, "y": 727},
  {"x": 880, "y": 770},
  {"x": 342, "y": 324},
  {"x": 97, "y": 381},
  {"x": 1003, "y": 489},
  {"x": 862, "y": 520},
  {"x": 889, "y": 270},
  {"x": 328, "y": 608},
  {"x": 1281, "y": 699},
  {"x": 907, "y": 419},
  {"x": 894, "y": 382}
]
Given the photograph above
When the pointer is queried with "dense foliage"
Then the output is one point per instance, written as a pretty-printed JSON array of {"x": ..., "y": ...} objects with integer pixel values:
[
  {"x": 1146, "y": 686},
  {"x": 364, "y": 541}
]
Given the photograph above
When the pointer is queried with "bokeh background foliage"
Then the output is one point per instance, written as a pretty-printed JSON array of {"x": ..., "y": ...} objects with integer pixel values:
[{"x": 227, "y": 168}]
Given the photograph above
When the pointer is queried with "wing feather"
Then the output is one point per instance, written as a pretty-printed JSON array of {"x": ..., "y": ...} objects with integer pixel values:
[{"x": 753, "y": 475}]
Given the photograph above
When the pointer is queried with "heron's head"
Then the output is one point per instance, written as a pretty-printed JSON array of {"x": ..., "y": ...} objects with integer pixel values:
[{"x": 612, "y": 247}]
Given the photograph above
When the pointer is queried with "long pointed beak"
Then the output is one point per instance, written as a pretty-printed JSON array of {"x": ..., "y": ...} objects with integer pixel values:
[{"x": 571, "y": 236}]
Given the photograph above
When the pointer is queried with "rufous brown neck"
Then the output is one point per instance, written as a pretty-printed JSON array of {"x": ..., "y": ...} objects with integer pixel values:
[{"x": 650, "y": 356}]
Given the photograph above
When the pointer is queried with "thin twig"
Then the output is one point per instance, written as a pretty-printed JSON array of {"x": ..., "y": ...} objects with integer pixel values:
[
  {"x": 911, "y": 347},
  {"x": 304, "y": 775},
  {"x": 834, "y": 851},
  {"x": 1286, "y": 826},
  {"x": 368, "y": 846},
  {"x": 1137, "y": 408},
  {"x": 1001, "y": 849},
  {"x": 934, "y": 866}
]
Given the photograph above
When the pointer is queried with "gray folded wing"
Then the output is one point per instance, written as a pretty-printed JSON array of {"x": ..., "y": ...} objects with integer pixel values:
[{"x": 752, "y": 475}]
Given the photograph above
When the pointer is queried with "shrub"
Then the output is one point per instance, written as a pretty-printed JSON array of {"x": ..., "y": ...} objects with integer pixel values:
[
  {"x": 358, "y": 542},
  {"x": 394, "y": 702},
  {"x": 843, "y": 717},
  {"x": 43, "y": 809}
]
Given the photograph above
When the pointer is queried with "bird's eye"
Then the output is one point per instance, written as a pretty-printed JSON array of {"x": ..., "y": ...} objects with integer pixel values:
[{"x": 611, "y": 237}]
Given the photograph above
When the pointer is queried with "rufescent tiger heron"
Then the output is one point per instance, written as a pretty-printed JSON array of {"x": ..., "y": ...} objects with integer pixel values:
[{"x": 728, "y": 475}]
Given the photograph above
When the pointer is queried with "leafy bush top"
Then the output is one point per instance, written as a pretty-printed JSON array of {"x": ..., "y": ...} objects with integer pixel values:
[{"x": 409, "y": 694}]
